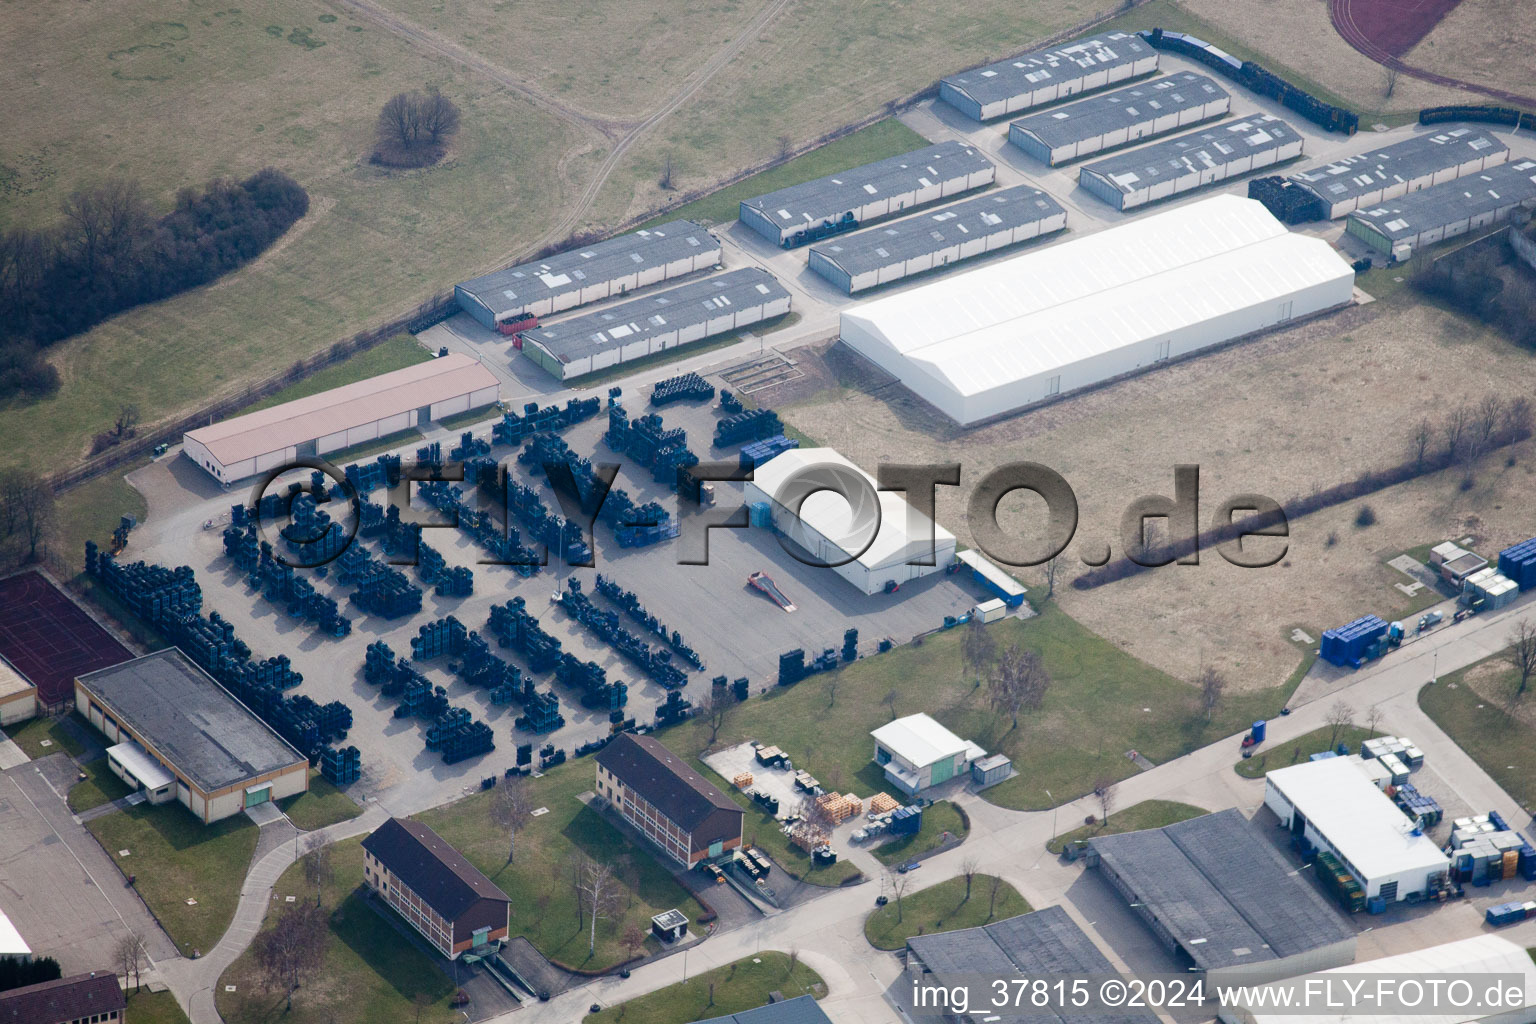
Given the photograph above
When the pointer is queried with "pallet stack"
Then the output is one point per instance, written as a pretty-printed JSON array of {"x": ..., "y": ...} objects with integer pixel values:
[
  {"x": 882, "y": 803},
  {"x": 742, "y": 780},
  {"x": 839, "y": 808},
  {"x": 807, "y": 836}
]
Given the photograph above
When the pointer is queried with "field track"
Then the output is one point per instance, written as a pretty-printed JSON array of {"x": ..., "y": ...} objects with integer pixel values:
[{"x": 1363, "y": 26}]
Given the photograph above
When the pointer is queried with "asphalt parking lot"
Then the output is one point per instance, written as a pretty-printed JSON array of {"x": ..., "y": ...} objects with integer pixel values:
[
  {"x": 58, "y": 887},
  {"x": 736, "y": 630}
]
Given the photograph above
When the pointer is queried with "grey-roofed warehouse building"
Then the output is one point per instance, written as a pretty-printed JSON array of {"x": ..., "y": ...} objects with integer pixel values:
[
  {"x": 1044, "y": 76},
  {"x": 1186, "y": 162},
  {"x": 803, "y": 213},
  {"x": 667, "y": 319},
  {"x": 799, "y": 1010},
  {"x": 1038, "y": 945},
  {"x": 1117, "y": 118},
  {"x": 578, "y": 276},
  {"x": 1401, "y": 226},
  {"x": 991, "y": 221},
  {"x": 1408, "y": 166},
  {"x": 1216, "y": 892},
  {"x": 224, "y": 759}
]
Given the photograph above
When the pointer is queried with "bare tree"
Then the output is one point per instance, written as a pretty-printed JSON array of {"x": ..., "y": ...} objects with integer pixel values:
[
  {"x": 889, "y": 700},
  {"x": 293, "y": 949},
  {"x": 1519, "y": 419},
  {"x": 127, "y": 420},
  {"x": 968, "y": 868},
  {"x": 1423, "y": 437},
  {"x": 993, "y": 889},
  {"x": 1373, "y": 716},
  {"x": 1486, "y": 419},
  {"x": 634, "y": 939},
  {"x": 414, "y": 128},
  {"x": 1212, "y": 685},
  {"x": 600, "y": 892},
  {"x": 318, "y": 869},
  {"x": 27, "y": 510},
  {"x": 832, "y": 681},
  {"x": 421, "y": 1000},
  {"x": 1052, "y": 571},
  {"x": 784, "y": 145},
  {"x": 106, "y": 225},
  {"x": 1340, "y": 717},
  {"x": 1104, "y": 792},
  {"x": 1454, "y": 431},
  {"x": 511, "y": 809},
  {"x": 978, "y": 649},
  {"x": 898, "y": 882},
  {"x": 1522, "y": 654},
  {"x": 1391, "y": 81},
  {"x": 717, "y": 706},
  {"x": 666, "y": 174},
  {"x": 130, "y": 955},
  {"x": 1019, "y": 683}
]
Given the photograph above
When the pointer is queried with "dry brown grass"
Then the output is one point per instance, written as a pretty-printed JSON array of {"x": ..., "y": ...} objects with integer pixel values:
[
  {"x": 1484, "y": 41},
  {"x": 1309, "y": 406}
]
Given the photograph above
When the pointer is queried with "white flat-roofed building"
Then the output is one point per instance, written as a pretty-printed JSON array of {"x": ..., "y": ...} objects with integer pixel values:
[
  {"x": 1045, "y": 76},
  {"x": 1337, "y": 808},
  {"x": 18, "y": 697},
  {"x": 246, "y": 445},
  {"x": 11, "y": 942},
  {"x": 129, "y": 762},
  {"x": 1190, "y": 161},
  {"x": 1088, "y": 310},
  {"x": 832, "y": 530},
  {"x": 917, "y": 752}
]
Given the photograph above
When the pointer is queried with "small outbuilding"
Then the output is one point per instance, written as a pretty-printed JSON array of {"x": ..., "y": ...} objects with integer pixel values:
[
  {"x": 669, "y": 925},
  {"x": 18, "y": 697},
  {"x": 917, "y": 753}
]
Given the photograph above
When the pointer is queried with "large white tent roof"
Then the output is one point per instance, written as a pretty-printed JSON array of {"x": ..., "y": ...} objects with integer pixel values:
[
  {"x": 903, "y": 534},
  {"x": 1081, "y": 298}
]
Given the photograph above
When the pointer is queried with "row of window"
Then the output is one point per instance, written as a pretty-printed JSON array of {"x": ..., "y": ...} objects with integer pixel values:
[{"x": 96, "y": 1018}]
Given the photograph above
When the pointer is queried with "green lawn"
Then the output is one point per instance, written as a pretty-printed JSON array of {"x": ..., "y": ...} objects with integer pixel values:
[
  {"x": 370, "y": 974},
  {"x": 1093, "y": 713},
  {"x": 543, "y": 907},
  {"x": 942, "y": 908},
  {"x": 760, "y": 829},
  {"x": 393, "y": 353},
  {"x": 323, "y": 805},
  {"x": 1503, "y": 745},
  {"x": 1283, "y": 755},
  {"x": 368, "y": 449},
  {"x": 101, "y": 787},
  {"x": 939, "y": 818},
  {"x": 876, "y": 142},
  {"x": 92, "y": 511},
  {"x": 470, "y": 417},
  {"x": 154, "y": 1008},
  {"x": 1147, "y": 814},
  {"x": 175, "y": 857},
  {"x": 31, "y": 734},
  {"x": 733, "y": 988}
]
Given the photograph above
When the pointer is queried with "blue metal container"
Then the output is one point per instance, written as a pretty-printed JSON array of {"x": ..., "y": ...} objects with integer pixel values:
[
  {"x": 1259, "y": 727},
  {"x": 1519, "y": 563},
  {"x": 1350, "y": 645}
]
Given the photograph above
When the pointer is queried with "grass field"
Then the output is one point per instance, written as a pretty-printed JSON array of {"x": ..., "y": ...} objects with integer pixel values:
[
  {"x": 1283, "y": 755},
  {"x": 147, "y": 1007},
  {"x": 1103, "y": 703},
  {"x": 1147, "y": 814},
  {"x": 543, "y": 907},
  {"x": 394, "y": 353},
  {"x": 323, "y": 805},
  {"x": 92, "y": 511},
  {"x": 100, "y": 787},
  {"x": 942, "y": 908},
  {"x": 174, "y": 857},
  {"x": 31, "y": 734},
  {"x": 760, "y": 829},
  {"x": 1470, "y": 706},
  {"x": 938, "y": 819},
  {"x": 876, "y": 142},
  {"x": 245, "y": 88},
  {"x": 471, "y": 417},
  {"x": 370, "y": 972},
  {"x": 733, "y": 988}
]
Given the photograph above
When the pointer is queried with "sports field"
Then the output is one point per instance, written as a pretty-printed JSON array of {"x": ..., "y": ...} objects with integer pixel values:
[{"x": 49, "y": 638}]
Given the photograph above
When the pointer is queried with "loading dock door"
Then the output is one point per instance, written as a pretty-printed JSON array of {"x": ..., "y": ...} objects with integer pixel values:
[
  {"x": 1298, "y": 823},
  {"x": 258, "y": 795},
  {"x": 424, "y": 415}
]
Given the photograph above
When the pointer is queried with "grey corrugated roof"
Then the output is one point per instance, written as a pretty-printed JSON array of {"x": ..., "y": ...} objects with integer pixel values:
[
  {"x": 1038, "y": 68},
  {"x": 1453, "y": 201},
  {"x": 812, "y": 202},
  {"x": 1222, "y": 891},
  {"x": 1036, "y": 945},
  {"x": 1112, "y": 111},
  {"x": 190, "y": 719},
  {"x": 904, "y": 239},
  {"x": 658, "y": 313},
  {"x": 1402, "y": 161},
  {"x": 1185, "y": 154},
  {"x": 799, "y": 1010},
  {"x": 602, "y": 261}
]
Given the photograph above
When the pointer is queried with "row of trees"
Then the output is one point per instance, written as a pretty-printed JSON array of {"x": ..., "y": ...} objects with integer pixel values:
[
  {"x": 28, "y": 517},
  {"x": 110, "y": 251},
  {"x": 16, "y": 972}
]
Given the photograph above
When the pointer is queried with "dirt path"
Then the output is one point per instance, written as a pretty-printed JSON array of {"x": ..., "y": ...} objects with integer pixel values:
[{"x": 1341, "y": 14}]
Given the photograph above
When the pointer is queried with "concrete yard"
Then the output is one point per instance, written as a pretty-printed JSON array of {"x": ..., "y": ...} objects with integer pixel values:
[{"x": 736, "y": 630}]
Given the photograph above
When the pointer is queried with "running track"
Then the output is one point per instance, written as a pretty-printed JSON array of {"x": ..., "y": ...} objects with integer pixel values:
[{"x": 1340, "y": 14}]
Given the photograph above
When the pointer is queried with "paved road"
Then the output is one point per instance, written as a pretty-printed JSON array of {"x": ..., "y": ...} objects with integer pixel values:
[{"x": 828, "y": 931}]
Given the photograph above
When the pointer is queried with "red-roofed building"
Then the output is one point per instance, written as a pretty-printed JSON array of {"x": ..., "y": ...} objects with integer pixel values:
[
  {"x": 673, "y": 805},
  {"x": 94, "y": 998}
]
